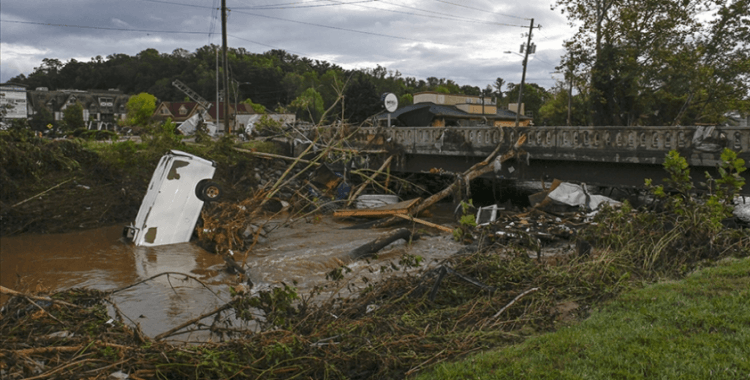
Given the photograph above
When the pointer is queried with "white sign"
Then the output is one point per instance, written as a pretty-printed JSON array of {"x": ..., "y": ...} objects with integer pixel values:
[
  {"x": 390, "y": 101},
  {"x": 15, "y": 99}
]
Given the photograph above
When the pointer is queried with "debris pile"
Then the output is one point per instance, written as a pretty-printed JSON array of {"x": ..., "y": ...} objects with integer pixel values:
[
  {"x": 538, "y": 228},
  {"x": 391, "y": 329}
]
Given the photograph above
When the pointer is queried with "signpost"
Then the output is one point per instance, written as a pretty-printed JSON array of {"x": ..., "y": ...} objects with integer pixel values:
[{"x": 390, "y": 102}]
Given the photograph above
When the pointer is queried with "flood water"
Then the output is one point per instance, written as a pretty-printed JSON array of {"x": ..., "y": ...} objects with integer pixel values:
[{"x": 301, "y": 253}]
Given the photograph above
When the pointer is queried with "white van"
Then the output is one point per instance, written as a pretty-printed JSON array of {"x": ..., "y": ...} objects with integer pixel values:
[{"x": 173, "y": 202}]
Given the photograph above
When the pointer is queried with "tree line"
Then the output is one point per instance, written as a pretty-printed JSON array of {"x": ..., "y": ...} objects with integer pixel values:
[{"x": 275, "y": 80}]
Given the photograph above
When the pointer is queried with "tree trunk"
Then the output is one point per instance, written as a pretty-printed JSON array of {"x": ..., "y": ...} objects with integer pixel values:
[{"x": 380, "y": 243}]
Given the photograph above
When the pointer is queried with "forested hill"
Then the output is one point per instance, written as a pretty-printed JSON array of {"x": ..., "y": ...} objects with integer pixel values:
[{"x": 274, "y": 79}]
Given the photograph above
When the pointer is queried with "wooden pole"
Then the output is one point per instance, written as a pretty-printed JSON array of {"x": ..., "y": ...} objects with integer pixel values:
[
  {"x": 227, "y": 127},
  {"x": 523, "y": 76}
]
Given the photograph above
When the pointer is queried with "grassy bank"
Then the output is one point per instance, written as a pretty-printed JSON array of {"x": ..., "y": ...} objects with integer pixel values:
[{"x": 696, "y": 328}]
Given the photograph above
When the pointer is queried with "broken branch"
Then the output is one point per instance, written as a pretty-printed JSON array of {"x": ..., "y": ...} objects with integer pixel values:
[
  {"x": 518, "y": 297},
  {"x": 361, "y": 187},
  {"x": 192, "y": 321},
  {"x": 426, "y": 223},
  {"x": 43, "y": 192},
  {"x": 272, "y": 156},
  {"x": 4, "y": 290}
]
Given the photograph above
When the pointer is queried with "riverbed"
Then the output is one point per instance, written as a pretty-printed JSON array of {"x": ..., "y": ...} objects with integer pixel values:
[{"x": 300, "y": 254}]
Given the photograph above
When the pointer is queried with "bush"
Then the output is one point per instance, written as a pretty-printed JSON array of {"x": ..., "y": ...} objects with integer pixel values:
[{"x": 680, "y": 229}]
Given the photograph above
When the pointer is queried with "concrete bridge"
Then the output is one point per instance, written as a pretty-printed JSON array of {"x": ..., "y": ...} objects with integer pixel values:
[{"x": 601, "y": 156}]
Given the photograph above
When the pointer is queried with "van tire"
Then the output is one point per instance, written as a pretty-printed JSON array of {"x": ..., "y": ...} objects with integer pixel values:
[{"x": 208, "y": 191}]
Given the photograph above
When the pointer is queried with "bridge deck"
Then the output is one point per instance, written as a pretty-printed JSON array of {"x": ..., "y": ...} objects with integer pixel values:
[{"x": 608, "y": 156}]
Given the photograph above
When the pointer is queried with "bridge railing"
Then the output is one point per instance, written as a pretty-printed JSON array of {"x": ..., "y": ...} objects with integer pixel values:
[{"x": 701, "y": 145}]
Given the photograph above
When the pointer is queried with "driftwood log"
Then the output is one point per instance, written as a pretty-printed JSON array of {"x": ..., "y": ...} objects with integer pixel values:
[{"x": 380, "y": 243}]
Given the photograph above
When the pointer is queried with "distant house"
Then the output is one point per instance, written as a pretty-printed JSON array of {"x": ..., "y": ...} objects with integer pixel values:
[
  {"x": 445, "y": 110},
  {"x": 101, "y": 109},
  {"x": 181, "y": 111}
]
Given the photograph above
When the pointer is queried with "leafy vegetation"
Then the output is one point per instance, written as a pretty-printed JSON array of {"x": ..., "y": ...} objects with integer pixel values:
[
  {"x": 73, "y": 117},
  {"x": 659, "y": 62},
  {"x": 139, "y": 109}
]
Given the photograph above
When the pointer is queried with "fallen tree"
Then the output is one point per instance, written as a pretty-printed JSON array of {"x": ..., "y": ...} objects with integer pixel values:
[{"x": 489, "y": 164}]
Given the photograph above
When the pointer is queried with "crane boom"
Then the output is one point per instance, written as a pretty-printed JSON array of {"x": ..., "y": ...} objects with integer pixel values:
[{"x": 191, "y": 94}]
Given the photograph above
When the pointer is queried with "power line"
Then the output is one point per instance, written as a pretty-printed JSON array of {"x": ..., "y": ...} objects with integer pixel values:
[
  {"x": 444, "y": 16},
  {"x": 293, "y": 6},
  {"x": 214, "y": 18},
  {"x": 176, "y": 3},
  {"x": 102, "y": 27},
  {"x": 482, "y": 10},
  {"x": 294, "y": 3},
  {"x": 331, "y": 27}
]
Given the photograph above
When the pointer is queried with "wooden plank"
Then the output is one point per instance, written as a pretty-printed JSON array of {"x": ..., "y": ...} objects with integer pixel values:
[
  {"x": 426, "y": 223},
  {"x": 394, "y": 209}
]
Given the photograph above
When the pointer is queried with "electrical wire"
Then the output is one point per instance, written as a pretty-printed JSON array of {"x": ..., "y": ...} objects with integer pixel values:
[
  {"x": 176, "y": 3},
  {"x": 102, "y": 27},
  {"x": 443, "y": 17},
  {"x": 331, "y": 27},
  {"x": 294, "y": 3},
  {"x": 214, "y": 19},
  {"x": 451, "y": 16},
  {"x": 482, "y": 10},
  {"x": 291, "y": 6}
]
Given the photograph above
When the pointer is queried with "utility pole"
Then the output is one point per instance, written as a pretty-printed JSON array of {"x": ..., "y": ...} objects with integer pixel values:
[
  {"x": 217, "y": 120},
  {"x": 523, "y": 76},
  {"x": 226, "y": 71}
]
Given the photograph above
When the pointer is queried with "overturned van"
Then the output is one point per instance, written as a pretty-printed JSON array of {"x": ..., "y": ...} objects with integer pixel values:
[{"x": 180, "y": 185}]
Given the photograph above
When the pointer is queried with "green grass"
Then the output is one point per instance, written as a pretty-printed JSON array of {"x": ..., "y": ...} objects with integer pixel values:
[{"x": 696, "y": 328}]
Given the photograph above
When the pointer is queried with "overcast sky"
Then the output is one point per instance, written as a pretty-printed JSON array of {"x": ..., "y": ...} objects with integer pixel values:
[{"x": 454, "y": 39}]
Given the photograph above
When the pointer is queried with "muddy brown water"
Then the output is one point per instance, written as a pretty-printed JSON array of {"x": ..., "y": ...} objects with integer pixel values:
[{"x": 301, "y": 253}]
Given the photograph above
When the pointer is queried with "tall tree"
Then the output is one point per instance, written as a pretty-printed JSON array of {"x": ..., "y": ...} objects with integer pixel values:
[
  {"x": 309, "y": 105},
  {"x": 140, "y": 108},
  {"x": 498, "y": 85},
  {"x": 73, "y": 117},
  {"x": 361, "y": 98},
  {"x": 660, "y": 61},
  {"x": 534, "y": 96}
]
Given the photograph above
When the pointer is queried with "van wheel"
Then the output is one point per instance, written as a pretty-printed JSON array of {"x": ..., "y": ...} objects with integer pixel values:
[{"x": 208, "y": 191}]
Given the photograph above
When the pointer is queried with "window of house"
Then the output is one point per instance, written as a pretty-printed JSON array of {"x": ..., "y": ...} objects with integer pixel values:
[
  {"x": 164, "y": 111},
  {"x": 183, "y": 110}
]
